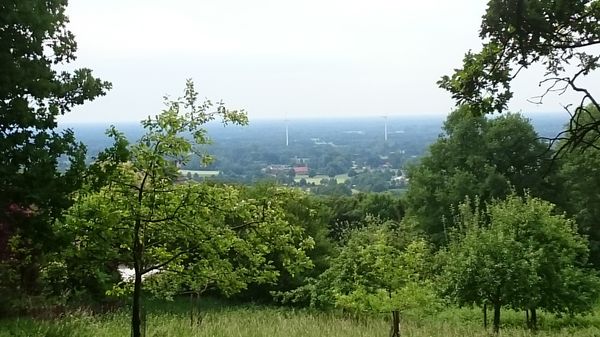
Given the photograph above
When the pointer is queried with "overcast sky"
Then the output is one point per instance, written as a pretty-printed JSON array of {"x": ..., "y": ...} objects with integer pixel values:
[{"x": 310, "y": 58}]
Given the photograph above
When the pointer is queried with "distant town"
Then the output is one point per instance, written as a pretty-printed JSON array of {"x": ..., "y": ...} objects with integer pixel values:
[{"x": 342, "y": 156}]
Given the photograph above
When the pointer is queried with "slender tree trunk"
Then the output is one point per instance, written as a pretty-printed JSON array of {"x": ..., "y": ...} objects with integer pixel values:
[
  {"x": 395, "y": 328},
  {"x": 527, "y": 321},
  {"x": 191, "y": 309},
  {"x": 136, "y": 308},
  {"x": 195, "y": 314},
  {"x": 496, "y": 327},
  {"x": 136, "y": 312},
  {"x": 485, "y": 320},
  {"x": 138, "y": 253},
  {"x": 199, "y": 316},
  {"x": 533, "y": 319}
]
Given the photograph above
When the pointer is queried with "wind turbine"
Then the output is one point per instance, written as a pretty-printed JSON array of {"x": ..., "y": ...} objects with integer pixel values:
[
  {"x": 287, "y": 134},
  {"x": 385, "y": 130}
]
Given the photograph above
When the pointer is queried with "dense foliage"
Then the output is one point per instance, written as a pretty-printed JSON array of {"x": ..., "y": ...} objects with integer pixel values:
[
  {"x": 39, "y": 165},
  {"x": 518, "y": 254},
  {"x": 381, "y": 267},
  {"x": 377, "y": 270},
  {"x": 581, "y": 200},
  {"x": 477, "y": 156},
  {"x": 195, "y": 236}
]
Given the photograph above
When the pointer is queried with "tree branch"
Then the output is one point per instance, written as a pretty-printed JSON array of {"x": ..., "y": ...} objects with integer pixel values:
[{"x": 165, "y": 263}]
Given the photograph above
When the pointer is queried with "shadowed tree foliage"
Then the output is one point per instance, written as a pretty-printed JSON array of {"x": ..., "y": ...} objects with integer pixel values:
[
  {"x": 581, "y": 199},
  {"x": 310, "y": 213},
  {"x": 39, "y": 164},
  {"x": 348, "y": 212}
]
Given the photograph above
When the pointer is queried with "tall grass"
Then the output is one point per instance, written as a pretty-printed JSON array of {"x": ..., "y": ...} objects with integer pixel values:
[{"x": 219, "y": 320}]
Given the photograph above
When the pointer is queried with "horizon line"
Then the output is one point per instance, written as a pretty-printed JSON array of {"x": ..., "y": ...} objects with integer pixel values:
[{"x": 317, "y": 117}]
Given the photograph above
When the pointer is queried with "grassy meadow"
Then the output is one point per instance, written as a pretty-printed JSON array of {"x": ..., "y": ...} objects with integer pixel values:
[
  {"x": 171, "y": 319},
  {"x": 200, "y": 173},
  {"x": 317, "y": 179}
]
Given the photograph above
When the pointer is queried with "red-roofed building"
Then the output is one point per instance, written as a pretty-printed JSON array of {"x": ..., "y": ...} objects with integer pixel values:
[{"x": 301, "y": 170}]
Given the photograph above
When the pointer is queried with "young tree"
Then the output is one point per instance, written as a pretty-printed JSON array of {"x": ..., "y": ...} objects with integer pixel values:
[
  {"x": 481, "y": 265},
  {"x": 562, "y": 282},
  {"x": 379, "y": 271},
  {"x": 517, "y": 254},
  {"x": 196, "y": 235},
  {"x": 518, "y": 34},
  {"x": 39, "y": 165}
]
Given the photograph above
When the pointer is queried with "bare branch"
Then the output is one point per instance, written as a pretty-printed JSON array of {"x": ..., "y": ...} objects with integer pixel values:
[
  {"x": 165, "y": 263},
  {"x": 574, "y": 45}
]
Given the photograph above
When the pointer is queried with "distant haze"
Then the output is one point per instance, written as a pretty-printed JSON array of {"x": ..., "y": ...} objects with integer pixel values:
[
  {"x": 93, "y": 134},
  {"x": 325, "y": 58}
]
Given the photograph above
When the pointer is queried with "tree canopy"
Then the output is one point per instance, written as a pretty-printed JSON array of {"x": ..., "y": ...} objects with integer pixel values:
[
  {"x": 518, "y": 254},
  {"x": 519, "y": 34},
  {"x": 476, "y": 156},
  {"x": 39, "y": 164},
  {"x": 380, "y": 269},
  {"x": 578, "y": 170},
  {"x": 198, "y": 236}
]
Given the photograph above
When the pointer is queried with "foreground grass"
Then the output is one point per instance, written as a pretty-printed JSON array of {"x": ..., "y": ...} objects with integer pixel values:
[{"x": 219, "y": 320}]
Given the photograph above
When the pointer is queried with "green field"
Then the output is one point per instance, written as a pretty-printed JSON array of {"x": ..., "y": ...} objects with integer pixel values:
[
  {"x": 225, "y": 320},
  {"x": 202, "y": 174},
  {"x": 317, "y": 179}
]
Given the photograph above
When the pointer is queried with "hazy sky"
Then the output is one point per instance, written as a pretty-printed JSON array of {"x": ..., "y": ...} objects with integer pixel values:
[{"x": 307, "y": 58}]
